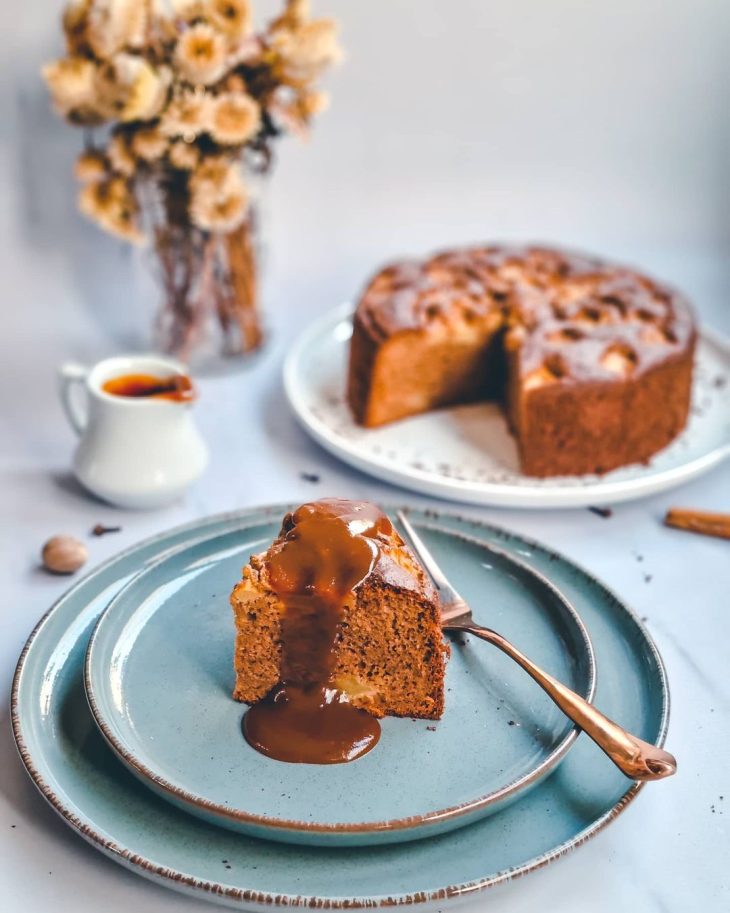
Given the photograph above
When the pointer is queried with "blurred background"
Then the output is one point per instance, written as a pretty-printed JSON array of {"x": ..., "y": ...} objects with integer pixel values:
[{"x": 601, "y": 126}]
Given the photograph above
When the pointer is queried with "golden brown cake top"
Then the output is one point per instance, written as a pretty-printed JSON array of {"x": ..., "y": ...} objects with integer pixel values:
[
  {"x": 570, "y": 316},
  {"x": 363, "y": 523}
]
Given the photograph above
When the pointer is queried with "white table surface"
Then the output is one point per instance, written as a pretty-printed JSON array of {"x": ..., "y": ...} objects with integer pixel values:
[
  {"x": 594, "y": 125},
  {"x": 667, "y": 852}
]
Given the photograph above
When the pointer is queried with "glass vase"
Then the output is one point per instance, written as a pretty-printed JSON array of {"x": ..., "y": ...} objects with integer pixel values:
[{"x": 210, "y": 315}]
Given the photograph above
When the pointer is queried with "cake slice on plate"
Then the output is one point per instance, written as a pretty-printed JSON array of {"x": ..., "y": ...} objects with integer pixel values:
[{"x": 337, "y": 614}]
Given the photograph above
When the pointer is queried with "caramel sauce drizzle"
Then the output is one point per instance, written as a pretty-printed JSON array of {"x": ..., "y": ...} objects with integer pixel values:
[
  {"x": 176, "y": 387},
  {"x": 325, "y": 550}
]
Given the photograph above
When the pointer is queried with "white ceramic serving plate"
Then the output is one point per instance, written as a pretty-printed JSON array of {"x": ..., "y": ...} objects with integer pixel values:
[{"x": 467, "y": 454}]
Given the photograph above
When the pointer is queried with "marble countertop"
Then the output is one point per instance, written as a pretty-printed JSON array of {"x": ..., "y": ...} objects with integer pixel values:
[{"x": 667, "y": 852}]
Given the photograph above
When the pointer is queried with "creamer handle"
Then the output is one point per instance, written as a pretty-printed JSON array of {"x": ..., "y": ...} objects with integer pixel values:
[{"x": 71, "y": 376}]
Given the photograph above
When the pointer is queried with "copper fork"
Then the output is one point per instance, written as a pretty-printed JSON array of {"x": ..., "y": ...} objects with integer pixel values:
[{"x": 636, "y": 758}]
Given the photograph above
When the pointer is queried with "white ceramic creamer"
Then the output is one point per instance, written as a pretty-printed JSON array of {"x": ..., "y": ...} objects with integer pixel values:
[{"x": 134, "y": 451}]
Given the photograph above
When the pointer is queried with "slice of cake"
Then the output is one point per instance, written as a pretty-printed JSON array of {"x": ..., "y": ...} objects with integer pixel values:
[
  {"x": 336, "y": 623},
  {"x": 593, "y": 361}
]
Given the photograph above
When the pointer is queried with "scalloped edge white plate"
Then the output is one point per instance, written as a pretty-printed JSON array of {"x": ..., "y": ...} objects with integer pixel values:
[{"x": 466, "y": 453}]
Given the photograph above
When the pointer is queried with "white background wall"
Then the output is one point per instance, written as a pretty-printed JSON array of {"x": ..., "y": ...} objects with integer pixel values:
[{"x": 598, "y": 125}]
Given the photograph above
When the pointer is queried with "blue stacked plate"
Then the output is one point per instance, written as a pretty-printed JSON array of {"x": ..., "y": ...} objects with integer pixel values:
[{"x": 159, "y": 675}]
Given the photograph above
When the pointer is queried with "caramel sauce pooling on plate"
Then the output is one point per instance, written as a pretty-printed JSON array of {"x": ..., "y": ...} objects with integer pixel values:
[
  {"x": 177, "y": 387},
  {"x": 325, "y": 550}
]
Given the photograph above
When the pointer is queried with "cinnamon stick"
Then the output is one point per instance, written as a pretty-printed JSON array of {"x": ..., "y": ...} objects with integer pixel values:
[
  {"x": 242, "y": 259},
  {"x": 699, "y": 521}
]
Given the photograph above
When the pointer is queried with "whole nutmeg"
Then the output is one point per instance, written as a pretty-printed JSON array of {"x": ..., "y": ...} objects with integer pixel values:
[{"x": 64, "y": 555}]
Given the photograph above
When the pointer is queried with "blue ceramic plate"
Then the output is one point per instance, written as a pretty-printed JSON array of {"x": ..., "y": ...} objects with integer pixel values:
[
  {"x": 159, "y": 677},
  {"x": 81, "y": 778}
]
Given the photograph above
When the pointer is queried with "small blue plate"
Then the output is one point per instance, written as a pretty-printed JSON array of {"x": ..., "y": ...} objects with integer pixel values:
[
  {"x": 81, "y": 778},
  {"x": 159, "y": 676}
]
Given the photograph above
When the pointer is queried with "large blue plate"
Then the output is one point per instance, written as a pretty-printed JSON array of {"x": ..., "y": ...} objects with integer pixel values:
[
  {"x": 79, "y": 775},
  {"x": 159, "y": 677}
]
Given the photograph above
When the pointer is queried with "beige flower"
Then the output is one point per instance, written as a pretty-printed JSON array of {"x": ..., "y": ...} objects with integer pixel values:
[
  {"x": 188, "y": 114},
  {"x": 200, "y": 54},
  {"x": 184, "y": 156},
  {"x": 218, "y": 198},
  {"x": 188, "y": 10},
  {"x": 304, "y": 51},
  {"x": 250, "y": 51},
  {"x": 149, "y": 143},
  {"x": 293, "y": 110},
  {"x": 234, "y": 82},
  {"x": 231, "y": 17},
  {"x": 146, "y": 87},
  {"x": 129, "y": 88},
  {"x": 75, "y": 25},
  {"x": 91, "y": 166},
  {"x": 71, "y": 82},
  {"x": 216, "y": 177},
  {"x": 298, "y": 10},
  {"x": 295, "y": 14},
  {"x": 234, "y": 119},
  {"x": 116, "y": 24},
  {"x": 110, "y": 91},
  {"x": 314, "y": 102},
  {"x": 113, "y": 206},
  {"x": 218, "y": 214},
  {"x": 120, "y": 155}
]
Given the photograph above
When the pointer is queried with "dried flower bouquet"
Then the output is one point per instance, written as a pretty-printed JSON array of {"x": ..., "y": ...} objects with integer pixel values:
[{"x": 192, "y": 98}]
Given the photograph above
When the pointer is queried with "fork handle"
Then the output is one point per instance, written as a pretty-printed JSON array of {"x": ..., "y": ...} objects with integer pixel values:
[{"x": 637, "y": 759}]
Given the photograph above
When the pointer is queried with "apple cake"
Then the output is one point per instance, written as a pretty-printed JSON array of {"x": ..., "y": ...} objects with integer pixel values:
[
  {"x": 592, "y": 361},
  {"x": 336, "y": 615}
]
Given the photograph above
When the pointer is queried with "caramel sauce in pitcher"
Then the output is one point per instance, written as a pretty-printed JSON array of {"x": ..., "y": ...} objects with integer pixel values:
[
  {"x": 176, "y": 387},
  {"x": 326, "y": 549}
]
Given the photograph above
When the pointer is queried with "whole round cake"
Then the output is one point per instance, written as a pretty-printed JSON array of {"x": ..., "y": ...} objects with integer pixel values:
[{"x": 592, "y": 361}]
